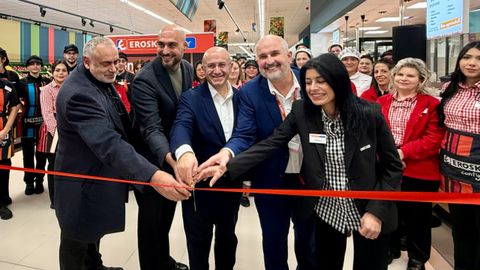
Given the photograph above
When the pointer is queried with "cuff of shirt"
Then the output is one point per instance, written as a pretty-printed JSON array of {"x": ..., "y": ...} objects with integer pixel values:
[
  {"x": 229, "y": 150},
  {"x": 184, "y": 148}
]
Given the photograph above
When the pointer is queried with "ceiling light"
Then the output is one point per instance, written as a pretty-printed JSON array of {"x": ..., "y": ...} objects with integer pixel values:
[
  {"x": 242, "y": 44},
  {"x": 64, "y": 28},
  {"x": 91, "y": 23},
  {"x": 111, "y": 29},
  {"x": 392, "y": 19},
  {"x": 84, "y": 22},
  {"x": 43, "y": 11},
  {"x": 261, "y": 17},
  {"x": 419, "y": 5},
  {"x": 151, "y": 13},
  {"x": 376, "y": 32},
  {"x": 369, "y": 28},
  {"x": 220, "y": 4}
]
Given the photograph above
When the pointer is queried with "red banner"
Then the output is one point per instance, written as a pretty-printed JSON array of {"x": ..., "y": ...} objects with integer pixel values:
[{"x": 147, "y": 44}]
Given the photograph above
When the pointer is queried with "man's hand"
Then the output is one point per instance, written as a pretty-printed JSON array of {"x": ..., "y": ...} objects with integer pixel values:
[
  {"x": 215, "y": 172},
  {"x": 3, "y": 134},
  {"x": 214, "y": 167},
  {"x": 370, "y": 226},
  {"x": 187, "y": 167},
  {"x": 170, "y": 189}
]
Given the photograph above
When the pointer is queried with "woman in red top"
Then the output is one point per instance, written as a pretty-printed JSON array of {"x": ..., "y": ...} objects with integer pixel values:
[
  {"x": 459, "y": 111},
  {"x": 236, "y": 75},
  {"x": 199, "y": 76},
  {"x": 380, "y": 82},
  {"x": 48, "y": 96},
  {"x": 412, "y": 116}
]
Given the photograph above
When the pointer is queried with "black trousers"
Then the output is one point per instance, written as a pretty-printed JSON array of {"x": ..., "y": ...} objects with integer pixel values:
[
  {"x": 4, "y": 183},
  {"x": 219, "y": 211},
  {"x": 77, "y": 255},
  {"x": 416, "y": 219},
  {"x": 155, "y": 216},
  {"x": 331, "y": 245},
  {"x": 51, "y": 167},
  {"x": 29, "y": 157},
  {"x": 466, "y": 236}
]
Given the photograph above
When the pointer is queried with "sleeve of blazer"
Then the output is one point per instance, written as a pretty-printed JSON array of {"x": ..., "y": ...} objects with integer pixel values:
[
  {"x": 245, "y": 133},
  {"x": 389, "y": 170},
  {"x": 248, "y": 159},
  {"x": 145, "y": 101},
  {"x": 429, "y": 144},
  {"x": 91, "y": 121},
  {"x": 182, "y": 127}
]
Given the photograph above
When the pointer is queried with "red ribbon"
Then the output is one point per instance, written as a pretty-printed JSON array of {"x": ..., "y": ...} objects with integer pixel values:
[{"x": 432, "y": 197}]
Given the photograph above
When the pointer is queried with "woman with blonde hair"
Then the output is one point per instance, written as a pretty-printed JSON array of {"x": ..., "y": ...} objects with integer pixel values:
[
  {"x": 411, "y": 114},
  {"x": 236, "y": 75}
]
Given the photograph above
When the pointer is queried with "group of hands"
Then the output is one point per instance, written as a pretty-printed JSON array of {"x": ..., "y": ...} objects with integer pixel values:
[{"x": 188, "y": 173}]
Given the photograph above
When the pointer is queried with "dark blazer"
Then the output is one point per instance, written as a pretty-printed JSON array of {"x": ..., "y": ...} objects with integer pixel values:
[
  {"x": 92, "y": 141},
  {"x": 198, "y": 125},
  {"x": 371, "y": 160},
  {"x": 422, "y": 137},
  {"x": 258, "y": 116},
  {"x": 154, "y": 103}
]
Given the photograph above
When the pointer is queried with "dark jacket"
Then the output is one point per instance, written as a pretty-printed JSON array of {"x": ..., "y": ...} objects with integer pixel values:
[
  {"x": 154, "y": 104},
  {"x": 258, "y": 116},
  {"x": 371, "y": 160},
  {"x": 92, "y": 141}
]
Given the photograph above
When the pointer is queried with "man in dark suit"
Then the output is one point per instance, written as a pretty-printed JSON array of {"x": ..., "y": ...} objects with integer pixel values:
[
  {"x": 155, "y": 93},
  {"x": 205, "y": 121},
  {"x": 94, "y": 135},
  {"x": 264, "y": 103}
]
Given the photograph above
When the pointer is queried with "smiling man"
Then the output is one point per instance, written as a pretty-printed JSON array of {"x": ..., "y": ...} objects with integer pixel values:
[
  {"x": 155, "y": 93},
  {"x": 94, "y": 128},
  {"x": 264, "y": 103},
  {"x": 205, "y": 121}
]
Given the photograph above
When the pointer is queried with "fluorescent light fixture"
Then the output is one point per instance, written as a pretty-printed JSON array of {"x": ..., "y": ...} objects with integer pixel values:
[
  {"x": 369, "y": 28},
  {"x": 261, "y": 17},
  {"x": 376, "y": 32},
  {"x": 419, "y": 5},
  {"x": 242, "y": 44},
  {"x": 151, "y": 13},
  {"x": 392, "y": 19}
]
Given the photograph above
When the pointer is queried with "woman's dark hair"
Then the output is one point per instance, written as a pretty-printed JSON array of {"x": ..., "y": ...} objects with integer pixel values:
[
  {"x": 368, "y": 56},
  {"x": 455, "y": 78},
  {"x": 374, "y": 83},
  {"x": 3, "y": 54},
  {"x": 195, "y": 77},
  {"x": 58, "y": 62},
  {"x": 352, "y": 110}
]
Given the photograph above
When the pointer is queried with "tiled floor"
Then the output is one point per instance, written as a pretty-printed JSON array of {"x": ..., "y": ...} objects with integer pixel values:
[{"x": 30, "y": 239}]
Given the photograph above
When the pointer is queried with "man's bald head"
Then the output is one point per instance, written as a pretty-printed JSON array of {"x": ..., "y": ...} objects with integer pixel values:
[
  {"x": 216, "y": 63},
  {"x": 171, "y": 45}
]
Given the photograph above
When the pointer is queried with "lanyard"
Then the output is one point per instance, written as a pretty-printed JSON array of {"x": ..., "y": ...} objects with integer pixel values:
[{"x": 280, "y": 106}]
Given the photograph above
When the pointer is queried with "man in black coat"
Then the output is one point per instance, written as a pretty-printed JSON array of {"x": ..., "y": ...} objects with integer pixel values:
[
  {"x": 94, "y": 135},
  {"x": 155, "y": 93}
]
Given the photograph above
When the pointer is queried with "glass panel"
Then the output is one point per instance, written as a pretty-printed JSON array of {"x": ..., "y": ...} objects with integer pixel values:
[
  {"x": 441, "y": 57},
  {"x": 455, "y": 45}
]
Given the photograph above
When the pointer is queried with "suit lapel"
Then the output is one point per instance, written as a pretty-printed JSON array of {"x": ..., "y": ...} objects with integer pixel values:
[
  {"x": 210, "y": 110},
  {"x": 351, "y": 145},
  {"x": 420, "y": 106},
  {"x": 315, "y": 126},
  {"x": 270, "y": 102},
  {"x": 162, "y": 76}
]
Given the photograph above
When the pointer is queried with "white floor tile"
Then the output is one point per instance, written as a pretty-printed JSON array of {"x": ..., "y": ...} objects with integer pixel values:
[{"x": 30, "y": 239}]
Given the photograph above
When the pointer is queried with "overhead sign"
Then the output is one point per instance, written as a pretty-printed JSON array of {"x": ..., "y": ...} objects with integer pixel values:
[
  {"x": 147, "y": 44},
  {"x": 445, "y": 18}
]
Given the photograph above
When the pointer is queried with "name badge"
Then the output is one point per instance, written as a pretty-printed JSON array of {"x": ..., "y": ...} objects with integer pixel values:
[
  {"x": 363, "y": 148},
  {"x": 318, "y": 138},
  {"x": 477, "y": 105}
]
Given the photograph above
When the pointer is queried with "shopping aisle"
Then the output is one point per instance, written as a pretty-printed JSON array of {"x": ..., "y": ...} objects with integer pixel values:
[{"x": 30, "y": 239}]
